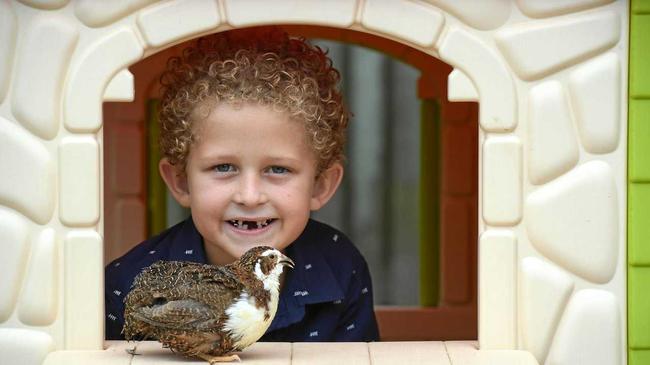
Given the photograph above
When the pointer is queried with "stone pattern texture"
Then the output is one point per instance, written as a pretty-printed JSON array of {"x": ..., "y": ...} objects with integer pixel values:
[
  {"x": 599, "y": 124},
  {"x": 39, "y": 299},
  {"x": 193, "y": 17},
  {"x": 494, "y": 83},
  {"x": 497, "y": 316},
  {"x": 335, "y": 13},
  {"x": 13, "y": 229},
  {"x": 568, "y": 222},
  {"x": 538, "y": 48},
  {"x": 552, "y": 144},
  {"x": 561, "y": 227},
  {"x": 461, "y": 87},
  {"x": 95, "y": 69},
  {"x": 83, "y": 274},
  {"x": 79, "y": 192},
  {"x": 543, "y": 293},
  {"x": 39, "y": 108},
  {"x": 8, "y": 28},
  {"x": 399, "y": 18}
]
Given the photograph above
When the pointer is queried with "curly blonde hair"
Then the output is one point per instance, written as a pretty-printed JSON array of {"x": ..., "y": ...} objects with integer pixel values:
[{"x": 262, "y": 65}]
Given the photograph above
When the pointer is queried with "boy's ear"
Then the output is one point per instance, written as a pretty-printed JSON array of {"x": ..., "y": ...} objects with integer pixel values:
[
  {"x": 326, "y": 184},
  {"x": 176, "y": 182}
]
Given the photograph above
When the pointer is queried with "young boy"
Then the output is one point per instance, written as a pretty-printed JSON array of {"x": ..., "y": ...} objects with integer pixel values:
[{"x": 252, "y": 133}]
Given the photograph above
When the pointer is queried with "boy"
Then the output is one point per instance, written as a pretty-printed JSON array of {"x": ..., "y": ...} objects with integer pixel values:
[{"x": 252, "y": 133}]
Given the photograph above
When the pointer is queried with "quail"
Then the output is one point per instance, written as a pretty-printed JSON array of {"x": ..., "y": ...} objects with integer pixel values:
[{"x": 206, "y": 311}]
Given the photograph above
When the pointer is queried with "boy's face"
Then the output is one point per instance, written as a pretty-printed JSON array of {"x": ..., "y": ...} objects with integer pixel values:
[{"x": 251, "y": 180}]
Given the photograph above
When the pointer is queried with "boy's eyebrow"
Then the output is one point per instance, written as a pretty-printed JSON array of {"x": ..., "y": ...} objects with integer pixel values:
[
  {"x": 215, "y": 156},
  {"x": 284, "y": 159},
  {"x": 228, "y": 157}
]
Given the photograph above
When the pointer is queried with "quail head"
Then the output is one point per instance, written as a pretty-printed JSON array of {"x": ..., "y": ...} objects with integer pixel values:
[{"x": 206, "y": 311}]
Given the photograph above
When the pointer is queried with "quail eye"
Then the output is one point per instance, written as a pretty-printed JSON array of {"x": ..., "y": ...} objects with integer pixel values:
[{"x": 272, "y": 256}]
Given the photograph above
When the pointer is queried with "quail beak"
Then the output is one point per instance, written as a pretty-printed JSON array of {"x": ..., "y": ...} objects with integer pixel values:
[{"x": 284, "y": 260}]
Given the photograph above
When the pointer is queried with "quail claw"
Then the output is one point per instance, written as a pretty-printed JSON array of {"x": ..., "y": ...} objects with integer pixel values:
[
  {"x": 217, "y": 359},
  {"x": 132, "y": 351}
]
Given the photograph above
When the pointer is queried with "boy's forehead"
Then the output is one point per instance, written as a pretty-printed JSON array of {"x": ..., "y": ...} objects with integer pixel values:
[
  {"x": 226, "y": 121},
  {"x": 230, "y": 114}
]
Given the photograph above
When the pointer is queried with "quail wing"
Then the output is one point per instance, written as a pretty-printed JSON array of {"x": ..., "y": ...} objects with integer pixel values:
[{"x": 182, "y": 304}]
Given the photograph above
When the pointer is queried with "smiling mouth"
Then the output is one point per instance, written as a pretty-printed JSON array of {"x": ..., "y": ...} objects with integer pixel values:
[{"x": 250, "y": 225}]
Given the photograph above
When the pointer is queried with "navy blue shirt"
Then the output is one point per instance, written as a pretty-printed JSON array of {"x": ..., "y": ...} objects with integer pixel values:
[{"x": 326, "y": 297}]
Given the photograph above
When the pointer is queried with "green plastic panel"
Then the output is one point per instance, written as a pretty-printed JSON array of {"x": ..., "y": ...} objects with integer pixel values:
[
  {"x": 641, "y": 7},
  {"x": 639, "y": 137},
  {"x": 638, "y": 233},
  {"x": 639, "y": 357},
  {"x": 430, "y": 203},
  {"x": 639, "y": 55},
  {"x": 638, "y": 307}
]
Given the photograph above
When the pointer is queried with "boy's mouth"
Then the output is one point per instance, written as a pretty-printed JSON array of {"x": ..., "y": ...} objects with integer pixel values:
[{"x": 250, "y": 225}]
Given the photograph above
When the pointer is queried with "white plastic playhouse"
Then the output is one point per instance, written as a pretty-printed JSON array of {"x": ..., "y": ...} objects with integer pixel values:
[{"x": 551, "y": 79}]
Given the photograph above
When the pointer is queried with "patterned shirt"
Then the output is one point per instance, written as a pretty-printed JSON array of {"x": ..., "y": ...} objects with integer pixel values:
[{"x": 326, "y": 297}]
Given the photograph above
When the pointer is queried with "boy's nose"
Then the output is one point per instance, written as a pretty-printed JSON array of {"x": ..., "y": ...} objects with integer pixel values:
[{"x": 250, "y": 193}]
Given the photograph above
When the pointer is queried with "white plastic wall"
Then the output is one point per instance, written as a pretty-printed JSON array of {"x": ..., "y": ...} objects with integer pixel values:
[{"x": 551, "y": 79}]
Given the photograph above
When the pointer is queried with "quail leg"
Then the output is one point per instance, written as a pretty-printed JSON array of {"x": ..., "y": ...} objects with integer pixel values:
[
  {"x": 132, "y": 351},
  {"x": 216, "y": 359}
]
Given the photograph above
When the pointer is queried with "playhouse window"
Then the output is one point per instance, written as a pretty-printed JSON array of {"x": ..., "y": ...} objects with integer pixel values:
[{"x": 408, "y": 199}]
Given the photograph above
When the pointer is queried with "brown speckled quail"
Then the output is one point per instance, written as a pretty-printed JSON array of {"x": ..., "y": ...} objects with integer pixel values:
[{"x": 206, "y": 311}]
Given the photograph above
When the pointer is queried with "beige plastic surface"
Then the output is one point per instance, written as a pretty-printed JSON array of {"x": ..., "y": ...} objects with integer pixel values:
[
  {"x": 120, "y": 88},
  {"x": 460, "y": 87},
  {"x": 545, "y": 290},
  {"x": 38, "y": 108},
  {"x": 45, "y": 4},
  {"x": 192, "y": 17},
  {"x": 551, "y": 80},
  {"x": 79, "y": 181},
  {"x": 7, "y": 43},
  {"x": 550, "y": 125},
  {"x": 377, "y": 353},
  {"x": 497, "y": 316},
  {"x": 598, "y": 123}
]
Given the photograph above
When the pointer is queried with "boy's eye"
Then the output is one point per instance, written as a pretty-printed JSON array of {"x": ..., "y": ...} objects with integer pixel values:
[
  {"x": 278, "y": 170},
  {"x": 224, "y": 167}
]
